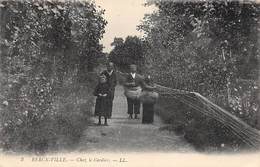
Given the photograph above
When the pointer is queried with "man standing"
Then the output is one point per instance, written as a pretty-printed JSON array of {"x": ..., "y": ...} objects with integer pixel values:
[
  {"x": 112, "y": 81},
  {"x": 133, "y": 80}
]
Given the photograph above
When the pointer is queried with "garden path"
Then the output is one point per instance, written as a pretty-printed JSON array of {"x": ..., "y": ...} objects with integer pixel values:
[{"x": 124, "y": 135}]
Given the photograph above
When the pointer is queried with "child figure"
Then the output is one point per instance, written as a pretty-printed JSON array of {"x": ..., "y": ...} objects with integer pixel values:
[{"x": 102, "y": 91}]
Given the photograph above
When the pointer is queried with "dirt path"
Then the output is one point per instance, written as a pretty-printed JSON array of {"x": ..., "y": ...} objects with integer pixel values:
[{"x": 125, "y": 134}]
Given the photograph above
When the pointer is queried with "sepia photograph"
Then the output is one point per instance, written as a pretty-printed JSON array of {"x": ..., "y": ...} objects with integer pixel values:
[{"x": 142, "y": 83}]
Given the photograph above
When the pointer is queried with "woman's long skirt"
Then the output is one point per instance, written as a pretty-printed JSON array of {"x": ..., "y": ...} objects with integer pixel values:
[
  {"x": 102, "y": 107},
  {"x": 148, "y": 113}
]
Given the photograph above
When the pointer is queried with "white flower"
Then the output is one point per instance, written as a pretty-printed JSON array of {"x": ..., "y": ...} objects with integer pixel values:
[
  {"x": 5, "y": 103},
  {"x": 26, "y": 112},
  {"x": 19, "y": 122}
]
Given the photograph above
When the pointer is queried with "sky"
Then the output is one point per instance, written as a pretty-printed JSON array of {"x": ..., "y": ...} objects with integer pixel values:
[{"x": 123, "y": 16}]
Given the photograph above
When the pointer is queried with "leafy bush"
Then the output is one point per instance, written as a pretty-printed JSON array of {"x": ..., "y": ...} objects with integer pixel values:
[
  {"x": 47, "y": 49},
  {"x": 206, "y": 47}
]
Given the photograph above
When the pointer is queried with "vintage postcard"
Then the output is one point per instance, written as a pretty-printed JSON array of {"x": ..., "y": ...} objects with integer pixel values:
[{"x": 139, "y": 83}]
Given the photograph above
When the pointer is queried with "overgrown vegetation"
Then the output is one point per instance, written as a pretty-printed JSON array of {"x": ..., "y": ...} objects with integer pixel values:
[
  {"x": 48, "y": 49},
  {"x": 208, "y": 47},
  {"x": 128, "y": 51},
  {"x": 204, "y": 132}
]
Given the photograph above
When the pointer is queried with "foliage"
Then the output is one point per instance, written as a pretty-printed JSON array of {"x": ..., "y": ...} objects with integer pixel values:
[
  {"x": 44, "y": 45},
  {"x": 205, "y": 47},
  {"x": 130, "y": 51}
]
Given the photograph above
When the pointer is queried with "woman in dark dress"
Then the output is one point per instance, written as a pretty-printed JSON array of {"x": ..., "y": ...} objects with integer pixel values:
[
  {"x": 102, "y": 91},
  {"x": 148, "y": 98}
]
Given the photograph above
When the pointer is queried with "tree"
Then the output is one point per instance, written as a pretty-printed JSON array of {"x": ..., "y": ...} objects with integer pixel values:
[
  {"x": 117, "y": 42},
  {"x": 205, "y": 47},
  {"x": 41, "y": 42},
  {"x": 130, "y": 51}
]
